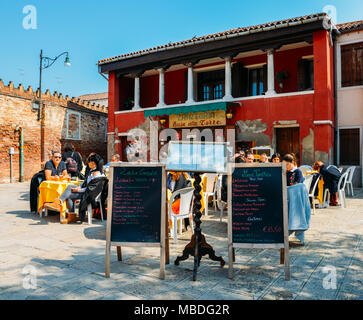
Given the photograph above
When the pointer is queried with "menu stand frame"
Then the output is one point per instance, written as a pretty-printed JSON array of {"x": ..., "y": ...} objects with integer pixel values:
[
  {"x": 118, "y": 245},
  {"x": 284, "y": 247}
]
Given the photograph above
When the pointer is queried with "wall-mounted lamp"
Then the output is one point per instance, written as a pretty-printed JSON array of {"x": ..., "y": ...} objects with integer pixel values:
[
  {"x": 229, "y": 115},
  {"x": 162, "y": 121}
]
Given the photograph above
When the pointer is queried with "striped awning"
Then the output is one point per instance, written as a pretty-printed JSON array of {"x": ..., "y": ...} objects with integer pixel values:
[{"x": 191, "y": 108}]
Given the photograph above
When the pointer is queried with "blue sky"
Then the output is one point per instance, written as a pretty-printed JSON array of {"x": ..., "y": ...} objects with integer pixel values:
[{"x": 92, "y": 30}]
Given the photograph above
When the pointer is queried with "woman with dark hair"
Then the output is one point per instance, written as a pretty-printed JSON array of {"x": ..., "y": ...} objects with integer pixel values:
[
  {"x": 276, "y": 158},
  {"x": 73, "y": 192},
  {"x": 294, "y": 174},
  {"x": 73, "y": 160}
]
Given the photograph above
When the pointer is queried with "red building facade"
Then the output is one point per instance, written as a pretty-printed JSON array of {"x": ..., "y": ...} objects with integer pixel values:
[{"x": 274, "y": 83}]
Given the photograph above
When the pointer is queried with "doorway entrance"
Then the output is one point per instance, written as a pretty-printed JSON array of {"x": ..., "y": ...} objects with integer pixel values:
[{"x": 288, "y": 141}]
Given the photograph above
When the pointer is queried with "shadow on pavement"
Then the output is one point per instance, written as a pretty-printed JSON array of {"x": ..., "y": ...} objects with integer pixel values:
[
  {"x": 95, "y": 233},
  {"x": 53, "y": 217}
]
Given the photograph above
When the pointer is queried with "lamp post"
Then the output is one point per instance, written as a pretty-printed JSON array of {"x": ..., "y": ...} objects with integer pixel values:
[{"x": 46, "y": 62}]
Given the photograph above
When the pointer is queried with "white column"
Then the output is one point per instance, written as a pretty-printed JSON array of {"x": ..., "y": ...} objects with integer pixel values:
[
  {"x": 137, "y": 93},
  {"x": 161, "y": 88},
  {"x": 270, "y": 73},
  {"x": 190, "y": 99},
  {"x": 228, "y": 79}
]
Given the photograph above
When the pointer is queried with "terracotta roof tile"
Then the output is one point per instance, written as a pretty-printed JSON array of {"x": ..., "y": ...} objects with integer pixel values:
[
  {"x": 94, "y": 96},
  {"x": 217, "y": 36},
  {"x": 350, "y": 26}
]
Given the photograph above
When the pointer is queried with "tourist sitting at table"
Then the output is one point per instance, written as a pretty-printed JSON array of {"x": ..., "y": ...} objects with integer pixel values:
[
  {"x": 74, "y": 192},
  {"x": 55, "y": 168},
  {"x": 293, "y": 174},
  {"x": 331, "y": 176},
  {"x": 250, "y": 157},
  {"x": 264, "y": 158},
  {"x": 276, "y": 158}
]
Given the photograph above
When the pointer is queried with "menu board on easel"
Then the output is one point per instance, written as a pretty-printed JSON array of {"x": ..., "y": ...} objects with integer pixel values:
[
  {"x": 257, "y": 209},
  {"x": 136, "y": 208}
]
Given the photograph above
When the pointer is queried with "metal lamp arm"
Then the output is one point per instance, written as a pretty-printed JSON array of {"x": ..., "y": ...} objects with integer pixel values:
[{"x": 48, "y": 62}]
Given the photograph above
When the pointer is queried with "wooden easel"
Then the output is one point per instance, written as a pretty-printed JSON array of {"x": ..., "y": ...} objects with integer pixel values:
[
  {"x": 284, "y": 247},
  {"x": 163, "y": 225}
]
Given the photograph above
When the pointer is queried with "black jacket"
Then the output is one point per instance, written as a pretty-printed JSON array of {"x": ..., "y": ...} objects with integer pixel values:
[
  {"x": 331, "y": 176},
  {"x": 181, "y": 183},
  {"x": 35, "y": 182},
  {"x": 94, "y": 187}
]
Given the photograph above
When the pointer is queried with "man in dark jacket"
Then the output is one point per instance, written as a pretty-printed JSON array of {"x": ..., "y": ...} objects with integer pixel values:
[
  {"x": 36, "y": 180},
  {"x": 331, "y": 176}
]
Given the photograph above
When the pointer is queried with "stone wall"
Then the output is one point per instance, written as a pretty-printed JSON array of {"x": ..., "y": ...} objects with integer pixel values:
[{"x": 87, "y": 135}]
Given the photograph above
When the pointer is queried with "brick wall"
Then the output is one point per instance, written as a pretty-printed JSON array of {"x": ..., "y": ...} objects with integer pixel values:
[{"x": 16, "y": 110}]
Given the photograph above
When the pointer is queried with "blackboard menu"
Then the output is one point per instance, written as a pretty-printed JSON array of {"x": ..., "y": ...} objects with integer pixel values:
[
  {"x": 136, "y": 204},
  {"x": 257, "y": 205}
]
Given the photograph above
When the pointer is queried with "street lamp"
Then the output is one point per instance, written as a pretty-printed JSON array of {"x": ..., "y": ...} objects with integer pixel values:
[{"x": 46, "y": 62}]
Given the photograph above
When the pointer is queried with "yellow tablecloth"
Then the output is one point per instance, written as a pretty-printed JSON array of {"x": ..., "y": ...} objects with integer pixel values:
[
  {"x": 320, "y": 186},
  {"x": 51, "y": 190}
]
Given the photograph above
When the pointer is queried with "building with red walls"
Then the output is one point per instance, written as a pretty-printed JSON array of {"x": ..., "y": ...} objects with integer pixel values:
[{"x": 273, "y": 84}]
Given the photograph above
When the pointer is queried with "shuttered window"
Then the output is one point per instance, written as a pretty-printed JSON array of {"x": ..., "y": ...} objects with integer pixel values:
[
  {"x": 211, "y": 85},
  {"x": 349, "y": 149},
  {"x": 352, "y": 64},
  {"x": 305, "y": 74}
]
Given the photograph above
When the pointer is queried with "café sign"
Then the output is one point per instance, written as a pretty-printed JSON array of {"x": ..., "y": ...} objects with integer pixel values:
[{"x": 198, "y": 119}]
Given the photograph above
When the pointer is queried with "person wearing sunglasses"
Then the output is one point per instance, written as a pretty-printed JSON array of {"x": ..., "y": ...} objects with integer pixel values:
[{"x": 55, "y": 167}]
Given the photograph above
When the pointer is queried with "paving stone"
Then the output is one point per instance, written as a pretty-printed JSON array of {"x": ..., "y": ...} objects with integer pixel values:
[{"x": 70, "y": 260}]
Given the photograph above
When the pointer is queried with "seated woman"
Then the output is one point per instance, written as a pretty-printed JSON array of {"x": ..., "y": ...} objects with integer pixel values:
[
  {"x": 276, "y": 158},
  {"x": 74, "y": 192},
  {"x": 55, "y": 167},
  {"x": 294, "y": 174}
]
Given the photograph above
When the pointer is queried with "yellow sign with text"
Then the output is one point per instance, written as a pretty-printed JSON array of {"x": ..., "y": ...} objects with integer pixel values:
[{"x": 198, "y": 119}]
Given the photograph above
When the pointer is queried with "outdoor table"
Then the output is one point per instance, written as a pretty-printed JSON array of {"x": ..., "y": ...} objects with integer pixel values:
[{"x": 51, "y": 190}]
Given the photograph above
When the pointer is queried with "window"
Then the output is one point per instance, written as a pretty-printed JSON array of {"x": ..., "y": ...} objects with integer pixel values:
[
  {"x": 306, "y": 74},
  {"x": 73, "y": 125},
  {"x": 211, "y": 85},
  {"x": 352, "y": 64},
  {"x": 256, "y": 81},
  {"x": 349, "y": 146}
]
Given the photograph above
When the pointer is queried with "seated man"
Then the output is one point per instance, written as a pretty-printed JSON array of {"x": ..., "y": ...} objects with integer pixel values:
[
  {"x": 74, "y": 192},
  {"x": 55, "y": 167},
  {"x": 331, "y": 176},
  {"x": 250, "y": 157}
]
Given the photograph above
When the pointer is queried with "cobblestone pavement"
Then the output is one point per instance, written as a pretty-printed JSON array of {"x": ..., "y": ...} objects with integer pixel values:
[{"x": 42, "y": 259}]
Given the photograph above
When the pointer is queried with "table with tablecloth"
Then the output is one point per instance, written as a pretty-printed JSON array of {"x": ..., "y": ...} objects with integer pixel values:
[{"x": 51, "y": 190}]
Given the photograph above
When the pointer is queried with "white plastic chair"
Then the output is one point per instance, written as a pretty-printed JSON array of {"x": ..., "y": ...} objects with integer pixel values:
[
  {"x": 209, "y": 190},
  {"x": 350, "y": 180},
  {"x": 341, "y": 190},
  {"x": 89, "y": 208},
  {"x": 311, "y": 194},
  {"x": 220, "y": 203},
  {"x": 308, "y": 180},
  {"x": 186, "y": 197}
]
